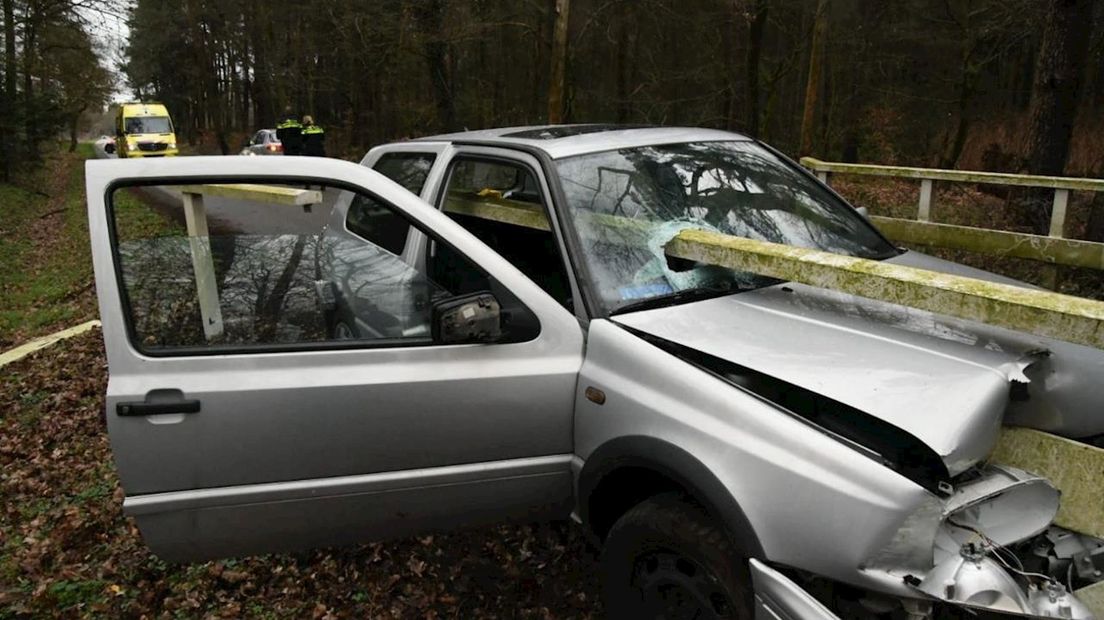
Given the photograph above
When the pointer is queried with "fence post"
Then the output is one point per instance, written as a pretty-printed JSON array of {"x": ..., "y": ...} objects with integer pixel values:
[
  {"x": 1058, "y": 214},
  {"x": 203, "y": 265},
  {"x": 823, "y": 176},
  {"x": 923, "y": 211},
  {"x": 1048, "y": 275}
]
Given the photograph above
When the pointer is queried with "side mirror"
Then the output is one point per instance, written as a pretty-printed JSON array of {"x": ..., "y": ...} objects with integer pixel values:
[{"x": 467, "y": 319}]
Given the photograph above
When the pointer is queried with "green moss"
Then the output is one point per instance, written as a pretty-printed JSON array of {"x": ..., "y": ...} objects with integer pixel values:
[
  {"x": 1038, "y": 312},
  {"x": 1076, "y": 469}
]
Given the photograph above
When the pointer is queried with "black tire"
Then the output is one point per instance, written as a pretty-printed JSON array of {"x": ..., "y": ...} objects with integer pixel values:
[{"x": 666, "y": 559}]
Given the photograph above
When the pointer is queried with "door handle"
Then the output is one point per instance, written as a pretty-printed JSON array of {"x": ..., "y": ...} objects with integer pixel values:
[{"x": 159, "y": 402}]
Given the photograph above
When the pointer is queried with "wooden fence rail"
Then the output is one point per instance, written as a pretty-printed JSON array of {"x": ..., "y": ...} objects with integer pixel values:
[{"x": 923, "y": 231}]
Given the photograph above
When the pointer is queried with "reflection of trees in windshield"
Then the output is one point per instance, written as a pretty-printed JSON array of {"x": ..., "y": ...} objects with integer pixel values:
[{"x": 737, "y": 188}]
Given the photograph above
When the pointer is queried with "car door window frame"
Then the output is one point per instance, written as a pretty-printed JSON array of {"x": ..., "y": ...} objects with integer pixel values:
[
  {"x": 534, "y": 167},
  {"x": 132, "y": 337}
]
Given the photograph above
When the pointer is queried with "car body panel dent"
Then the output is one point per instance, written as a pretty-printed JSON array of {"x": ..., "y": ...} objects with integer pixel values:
[
  {"x": 805, "y": 338},
  {"x": 1065, "y": 392}
]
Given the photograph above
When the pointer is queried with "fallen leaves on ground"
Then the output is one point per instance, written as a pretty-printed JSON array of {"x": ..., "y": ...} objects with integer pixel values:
[{"x": 66, "y": 551}]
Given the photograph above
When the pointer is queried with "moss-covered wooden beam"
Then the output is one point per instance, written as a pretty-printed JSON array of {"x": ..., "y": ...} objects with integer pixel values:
[
  {"x": 1052, "y": 250},
  {"x": 498, "y": 210},
  {"x": 1093, "y": 598},
  {"x": 962, "y": 176},
  {"x": 1076, "y": 469},
  {"x": 1043, "y": 313},
  {"x": 270, "y": 194}
]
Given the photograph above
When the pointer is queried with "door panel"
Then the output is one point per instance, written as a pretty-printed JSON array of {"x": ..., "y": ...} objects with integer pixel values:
[
  {"x": 221, "y": 522},
  {"x": 778, "y": 598},
  {"x": 280, "y": 402}
]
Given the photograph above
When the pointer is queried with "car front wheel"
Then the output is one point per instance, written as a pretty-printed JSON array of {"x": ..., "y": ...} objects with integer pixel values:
[{"x": 666, "y": 559}]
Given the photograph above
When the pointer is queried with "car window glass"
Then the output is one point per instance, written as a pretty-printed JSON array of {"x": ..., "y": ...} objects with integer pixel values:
[
  {"x": 257, "y": 270},
  {"x": 148, "y": 124},
  {"x": 502, "y": 204},
  {"x": 376, "y": 223},
  {"x": 407, "y": 169}
]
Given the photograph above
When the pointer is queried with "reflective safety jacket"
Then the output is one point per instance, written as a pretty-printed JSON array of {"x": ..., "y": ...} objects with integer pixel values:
[
  {"x": 289, "y": 131},
  {"x": 314, "y": 138}
]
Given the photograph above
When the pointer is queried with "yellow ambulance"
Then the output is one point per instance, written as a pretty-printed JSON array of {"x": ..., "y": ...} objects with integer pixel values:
[{"x": 144, "y": 130}]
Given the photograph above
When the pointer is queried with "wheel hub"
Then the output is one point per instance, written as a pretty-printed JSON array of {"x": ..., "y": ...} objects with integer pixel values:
[{"x": 674, "y": 587}]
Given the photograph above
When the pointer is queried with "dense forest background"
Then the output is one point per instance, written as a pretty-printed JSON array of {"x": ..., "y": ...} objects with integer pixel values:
[
  {"x": 926, "y": 82},
  {"x": 1009, "y": 85}
]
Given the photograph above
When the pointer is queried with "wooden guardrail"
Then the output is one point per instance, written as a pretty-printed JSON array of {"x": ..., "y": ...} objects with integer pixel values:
[
  {"x": 923, "y": 231},
  {"x": 195, "y": 218}
]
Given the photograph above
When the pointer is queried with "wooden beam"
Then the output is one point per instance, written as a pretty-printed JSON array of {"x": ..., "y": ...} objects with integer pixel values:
[
  {"x": 203, "y": 264},
  {"x": 1044, "y": 249},
  {"x": 962, "y": 176},
  {"x": 1042, "y": 313},
  {"x": 498, "y": 210},
  {"x": 1076, "y": 469},
  {"x": 271, "y": 194}
]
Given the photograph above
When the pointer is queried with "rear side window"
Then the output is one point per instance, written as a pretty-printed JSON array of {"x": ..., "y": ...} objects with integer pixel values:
[{"x": 407, "y": 169}]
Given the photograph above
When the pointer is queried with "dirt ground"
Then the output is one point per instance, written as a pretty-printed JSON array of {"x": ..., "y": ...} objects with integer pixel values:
[{"x": 66, "y": 551}]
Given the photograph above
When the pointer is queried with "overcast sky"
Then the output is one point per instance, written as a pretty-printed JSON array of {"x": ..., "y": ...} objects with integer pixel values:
[{"x": 110, "y": 32}]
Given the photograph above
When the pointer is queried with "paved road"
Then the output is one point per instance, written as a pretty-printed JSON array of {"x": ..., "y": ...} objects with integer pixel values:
[{"x": 239, "y": 216}]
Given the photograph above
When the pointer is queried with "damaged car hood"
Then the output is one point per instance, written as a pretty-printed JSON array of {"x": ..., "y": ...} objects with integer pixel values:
[{"x": 949, "y": 383}]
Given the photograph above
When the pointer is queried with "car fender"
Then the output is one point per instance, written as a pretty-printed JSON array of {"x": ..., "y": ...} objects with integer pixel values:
[{"x": 679, "y": 466}]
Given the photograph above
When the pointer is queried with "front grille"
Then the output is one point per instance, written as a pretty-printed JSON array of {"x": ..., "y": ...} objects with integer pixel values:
[{"x": 152, "y": 146}]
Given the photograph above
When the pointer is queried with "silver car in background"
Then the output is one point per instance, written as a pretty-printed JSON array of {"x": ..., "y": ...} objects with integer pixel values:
[{"x": 264, "y": 142}]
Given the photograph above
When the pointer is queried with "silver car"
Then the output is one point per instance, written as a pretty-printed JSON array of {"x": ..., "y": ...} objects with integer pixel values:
[
  {"x": 264, "y": 142},
  {"x": 484, "y": 327}
]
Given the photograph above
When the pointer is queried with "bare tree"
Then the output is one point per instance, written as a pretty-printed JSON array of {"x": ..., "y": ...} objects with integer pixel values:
[
  {"x": 557, "y": 78},
  {"x": 816, "y": 69}
]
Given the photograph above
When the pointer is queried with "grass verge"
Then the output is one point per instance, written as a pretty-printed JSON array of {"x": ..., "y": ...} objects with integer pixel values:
[{"x": 46, "y": 281}]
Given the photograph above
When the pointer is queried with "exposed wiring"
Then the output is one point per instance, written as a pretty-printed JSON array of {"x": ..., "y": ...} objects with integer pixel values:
[{"x": 998, "y": 549}]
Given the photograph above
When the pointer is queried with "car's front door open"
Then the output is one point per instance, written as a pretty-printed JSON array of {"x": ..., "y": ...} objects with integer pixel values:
[{"x": 243, "y": 420}]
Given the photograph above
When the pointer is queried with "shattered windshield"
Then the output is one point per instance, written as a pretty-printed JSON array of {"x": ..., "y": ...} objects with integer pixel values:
[{"x": 627, "y": 204}]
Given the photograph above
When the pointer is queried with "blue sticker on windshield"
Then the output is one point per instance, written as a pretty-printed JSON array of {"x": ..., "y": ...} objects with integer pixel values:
[{"x": 644, "y": 291}]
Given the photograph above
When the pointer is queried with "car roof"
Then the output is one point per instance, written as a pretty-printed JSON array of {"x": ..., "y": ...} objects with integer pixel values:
[{"x": 560, "y": 141}]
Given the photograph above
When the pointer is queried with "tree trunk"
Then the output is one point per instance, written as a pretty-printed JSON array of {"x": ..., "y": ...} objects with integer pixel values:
[
  {"x": 7, "y": 111},
  {"x": 966, "y": 88},
  {"x": 816, "y": 67},
  {"x": 74, "y": 125},
  {"x": 431, "y": 16},
  {"x": 756, "y": 28},
  {"x": 556, "y": 85},
  {"x": 1054, "y": 96}
]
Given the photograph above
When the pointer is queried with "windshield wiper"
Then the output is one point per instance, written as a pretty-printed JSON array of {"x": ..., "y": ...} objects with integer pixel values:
[{"x": 678, "y": 297}]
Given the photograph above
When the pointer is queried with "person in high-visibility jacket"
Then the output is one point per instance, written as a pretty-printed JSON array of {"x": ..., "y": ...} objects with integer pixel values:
[
  {"x": 314, "y": 138},
  {"x": 289, "y": 131}
]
